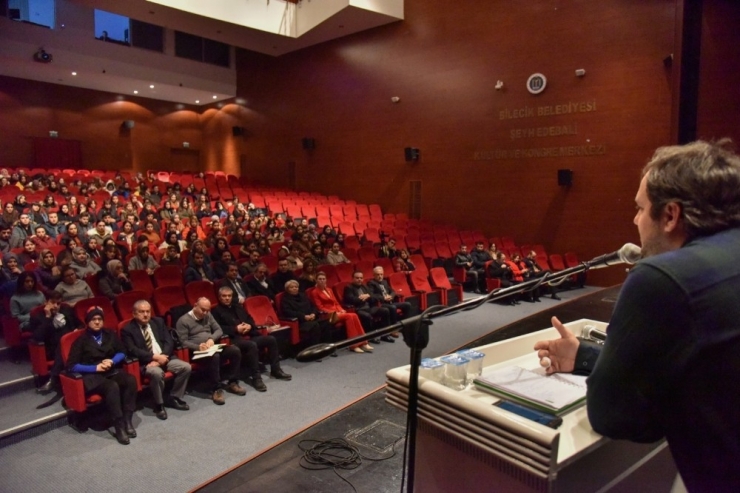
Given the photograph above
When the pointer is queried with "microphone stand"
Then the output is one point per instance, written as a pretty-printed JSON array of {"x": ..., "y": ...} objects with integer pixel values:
[{"x": 415, "y": 332}]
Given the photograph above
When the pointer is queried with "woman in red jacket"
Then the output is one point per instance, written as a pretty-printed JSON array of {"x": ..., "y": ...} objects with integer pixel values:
[{"x": 324, "y": 299}]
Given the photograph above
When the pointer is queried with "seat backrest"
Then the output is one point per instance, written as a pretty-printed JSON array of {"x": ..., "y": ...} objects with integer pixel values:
[
  {"x": 439, "y": 278},
  {"x": 168, "y": 275},
  {"x": 419, "y": 282},
  {"x": 110, "y": 318},
  {"x": 346, "y": 228},
  {"x": 125, "y": 302},
  {"x": 367, "y": 253},
  {"x": 428, "y": 250},
  {"x": 419, "y": 263},
  {"x": 352, "y": 241},
  {"x": 400, "y": 285},
  {"x": 338, "y": 289},
  {"x": 571, "y": 259},
  {"x": 443, "y": 249},
  {"x": 166, "y": 297},
  {"x": 141, "y": 281},
  {"x": 92, "y": 281},
  {"x": 366, "y": 267},
  {"x": 344, "y": 272},
  {"x": 331, "y": 273},
  {"x": 261, "y": 310},
  {"x": 556, "y": 262},
  {"x": 65, "y": 343},
  {"x": 385, "y": 263},
  {"x": 200, "y": 289},
  {"x": 542, "y": 262}
]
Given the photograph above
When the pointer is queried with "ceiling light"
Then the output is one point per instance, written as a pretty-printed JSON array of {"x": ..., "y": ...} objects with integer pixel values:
[
  {"x": 151, "y": 86},
  {"x": 74, "y": 73},
  {"x": 215, "y": 97},
  {"x": 197, "y": 101},
  {"x": 136, "y": 92}
]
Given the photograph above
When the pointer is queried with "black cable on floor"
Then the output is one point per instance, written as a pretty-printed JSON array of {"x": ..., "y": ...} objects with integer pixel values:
[{"x": 336, "y": 454}]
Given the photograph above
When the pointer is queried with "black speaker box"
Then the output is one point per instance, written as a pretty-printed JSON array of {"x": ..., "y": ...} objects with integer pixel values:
[
  {"x": 411, "y": 153},
  {"x": 237, "y": 131},
  {"x": 565, "y": 177},
  {"x": 129, "y": 124},
  {"x": 308, "y": 143}
]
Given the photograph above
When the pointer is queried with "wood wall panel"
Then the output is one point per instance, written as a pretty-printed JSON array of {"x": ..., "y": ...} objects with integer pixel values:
[
  {"x": 443, "y": 62},
  {"x": 31, "y": 109},
  {"x": 719, "y": 97}
]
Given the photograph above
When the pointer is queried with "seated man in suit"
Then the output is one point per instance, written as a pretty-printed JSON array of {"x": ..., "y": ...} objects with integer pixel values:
[
  {"x": 283, "y": 274},
  {"x": 244, "y": 334},
  {"x": 149, "y": 340},
  {"x": 236, "y": 283},
  {"x": 198, "y": 331},
  {"x": 357, "y": 295},
  {"x": 198, "y": 270},
  {"x": 260, "y": 284},
  {"x": 384, "y": 294}
]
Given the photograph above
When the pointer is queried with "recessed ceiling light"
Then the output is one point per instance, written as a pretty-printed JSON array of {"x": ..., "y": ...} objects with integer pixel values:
[
  {"x": 74, "y": 73},
  {"x": 197, "y": 101},
  {"x": 151, "y": 86},
  {"x": 215, "y": 97},
  {"x": 136, "y": 92}
]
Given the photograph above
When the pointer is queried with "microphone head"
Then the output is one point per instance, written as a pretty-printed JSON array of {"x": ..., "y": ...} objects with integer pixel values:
[
  {"x": 319, "y": 351},
  {"x": 630, "y": 253}
]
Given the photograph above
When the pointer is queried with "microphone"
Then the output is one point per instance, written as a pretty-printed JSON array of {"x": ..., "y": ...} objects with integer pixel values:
[
  {"x": 628, "y": 254},
  {"x": 593, "y": 334},
  {"x": 313, "y": 353}
]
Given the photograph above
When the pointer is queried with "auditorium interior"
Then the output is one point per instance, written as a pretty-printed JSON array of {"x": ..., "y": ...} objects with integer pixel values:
[{"x": 407, "y": 107}]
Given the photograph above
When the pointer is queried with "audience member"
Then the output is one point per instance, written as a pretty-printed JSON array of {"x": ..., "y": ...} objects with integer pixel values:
[
  {"x": 113, "y": 281},
  {"x": 235, "y": 283},
  {"x": 72, "y": 288},
  {"x": 148, "y": 339},
  {"x": 295, "y": 304},
  {"x": 372, "y": 314},
  {"x": 325, "y": 301},
  {"x": 384, "y": 294},
  {"x": 97, "y": 354},
  {"x": 335, "y": 256},
  {"x": 283, "y": 275},
  {"x": 260, "y": 284},
  {"x": 244, "y": 334},
  {"x": 27, "y": 297},
  {"x": 197, "y": 330},
  {"x": 82, "y": 264},
  {"x": 143, "y": 260}
]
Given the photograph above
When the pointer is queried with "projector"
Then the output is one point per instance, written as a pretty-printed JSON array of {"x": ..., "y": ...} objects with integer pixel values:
[{"x": 43, "y": 57}]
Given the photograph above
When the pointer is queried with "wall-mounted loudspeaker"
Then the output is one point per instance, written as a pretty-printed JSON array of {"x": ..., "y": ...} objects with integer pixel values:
[
  {"x": 129, "y": 124},
  {"x": 308, "y": 143},
  {"x": 565, "y": 177},
  {"x": 237, "y": 131},
  {"x": 411, "y": 153}
]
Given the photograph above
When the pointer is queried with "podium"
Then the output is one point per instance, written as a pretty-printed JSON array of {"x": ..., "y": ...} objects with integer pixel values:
[{"x": 465, "y": 443}]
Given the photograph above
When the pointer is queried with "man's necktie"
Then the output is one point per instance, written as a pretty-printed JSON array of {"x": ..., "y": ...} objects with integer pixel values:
[{"x": 147, "y": 338}]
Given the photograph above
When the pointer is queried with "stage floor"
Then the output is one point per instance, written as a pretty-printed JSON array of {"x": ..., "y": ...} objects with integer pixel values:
[{"x": 371, "y": 425}]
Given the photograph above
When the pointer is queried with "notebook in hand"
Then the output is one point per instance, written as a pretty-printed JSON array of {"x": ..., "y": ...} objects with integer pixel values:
[{"x": 557, "y": 394}]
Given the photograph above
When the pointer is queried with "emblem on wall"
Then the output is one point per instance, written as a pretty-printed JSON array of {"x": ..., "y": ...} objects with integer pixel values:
[{"x": 536, "y": 83}]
